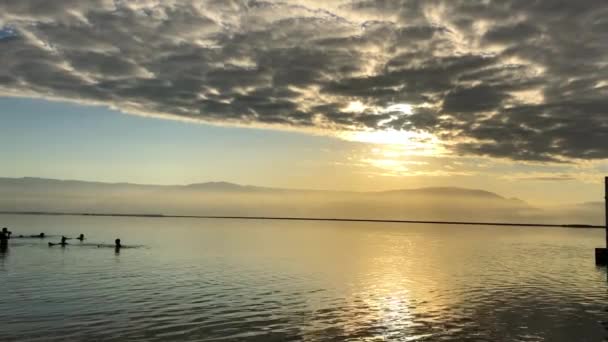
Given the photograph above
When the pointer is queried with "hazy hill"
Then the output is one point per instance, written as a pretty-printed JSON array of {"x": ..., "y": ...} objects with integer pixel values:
[
  {"x": 49, "y": 185},
  {"x": 223, "y": 198},
  {"x": 446, "y": 191}
]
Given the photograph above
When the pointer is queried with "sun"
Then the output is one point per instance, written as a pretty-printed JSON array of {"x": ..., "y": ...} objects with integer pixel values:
[
  {"x": 410, "y": 142},
  {"x": 401, "y": 142},
  {"x": 355, "y": 107}
]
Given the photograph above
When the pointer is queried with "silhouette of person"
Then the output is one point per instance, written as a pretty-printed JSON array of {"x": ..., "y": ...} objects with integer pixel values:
[
  {"x": 80, "y": 237},
  {"x": 3, "y": 248},
  {"x": 3, "y": 243},
  {"x": 6, "y": 232},
  {"x": 117, "y": 246},
  {"x": 63, "y": 242}
]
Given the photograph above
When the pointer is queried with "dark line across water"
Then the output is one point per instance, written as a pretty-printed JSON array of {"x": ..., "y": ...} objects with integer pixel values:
[{"x": 308, "y": 219}]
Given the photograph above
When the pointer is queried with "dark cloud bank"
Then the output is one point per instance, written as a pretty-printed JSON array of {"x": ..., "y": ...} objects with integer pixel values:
[{"x": 521, "y": 79}]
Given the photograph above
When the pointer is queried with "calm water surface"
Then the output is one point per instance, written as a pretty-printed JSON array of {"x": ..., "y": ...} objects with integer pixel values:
[{"x": 223, "y": 280}]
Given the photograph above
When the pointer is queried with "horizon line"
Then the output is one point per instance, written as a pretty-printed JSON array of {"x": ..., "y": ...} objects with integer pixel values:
[{"x": 287, "y": 218}]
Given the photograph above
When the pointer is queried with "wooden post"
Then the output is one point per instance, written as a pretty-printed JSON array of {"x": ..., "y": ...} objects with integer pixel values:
[
  {"x": 601, "y": 254},
  {"x": 606, "y": 207}
]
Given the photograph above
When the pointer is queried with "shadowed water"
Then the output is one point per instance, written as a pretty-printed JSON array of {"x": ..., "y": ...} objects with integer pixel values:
[{"x": 230, "y": 280}]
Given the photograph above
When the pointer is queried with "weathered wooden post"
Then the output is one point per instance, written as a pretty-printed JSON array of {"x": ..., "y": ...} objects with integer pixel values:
[{"x": 601, "y": 254}]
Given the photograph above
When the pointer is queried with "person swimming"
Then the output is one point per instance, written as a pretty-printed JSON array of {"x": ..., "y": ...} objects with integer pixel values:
[
  {"x": 117, "y": 246},
  {"x": 63, "y": 242},
  {"x": 41, "y": 235},
  {"x": 80, "y": 237}
]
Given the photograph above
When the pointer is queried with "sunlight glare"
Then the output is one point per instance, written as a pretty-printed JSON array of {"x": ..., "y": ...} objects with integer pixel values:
[
  {"x": 355, "y": 107},
  {"x": 415, "y": 142},
  {"x": 394, "y": 150}
]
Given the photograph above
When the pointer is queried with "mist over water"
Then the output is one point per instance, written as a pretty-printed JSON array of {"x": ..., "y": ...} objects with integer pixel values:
[
  {"x": 225, "y": 199},
  {"x": 229, "y": 280}
]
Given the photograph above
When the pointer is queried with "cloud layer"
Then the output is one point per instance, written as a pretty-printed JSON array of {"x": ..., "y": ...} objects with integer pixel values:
[{"x": 524, "y": 80}]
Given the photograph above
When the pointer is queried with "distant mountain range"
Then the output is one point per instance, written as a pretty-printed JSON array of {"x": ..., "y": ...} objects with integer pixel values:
[
  {"x": 224, "y": 198},
  {"x": 27, "y": 183}
]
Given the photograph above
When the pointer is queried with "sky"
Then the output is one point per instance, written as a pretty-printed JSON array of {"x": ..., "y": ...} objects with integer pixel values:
[{"x": 508, "y": 96}]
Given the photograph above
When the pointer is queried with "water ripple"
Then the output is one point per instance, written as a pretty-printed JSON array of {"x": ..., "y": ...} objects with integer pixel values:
[{"x": 202, "y": 282}]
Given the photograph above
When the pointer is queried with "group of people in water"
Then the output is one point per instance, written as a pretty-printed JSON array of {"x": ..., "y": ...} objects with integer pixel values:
[
  {"x": 5, "y": 235},
  {"x": 63, "y": 239}
]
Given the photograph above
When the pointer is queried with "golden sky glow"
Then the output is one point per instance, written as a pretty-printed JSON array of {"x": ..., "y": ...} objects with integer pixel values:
[{"x": 356, "y": 95}]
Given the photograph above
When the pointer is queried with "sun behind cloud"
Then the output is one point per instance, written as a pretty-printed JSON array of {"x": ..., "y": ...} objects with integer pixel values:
[{"x": 501, "y": 76}]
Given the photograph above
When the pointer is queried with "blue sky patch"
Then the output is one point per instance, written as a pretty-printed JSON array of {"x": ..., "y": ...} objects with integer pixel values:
[{"x": 7, "y": 32}]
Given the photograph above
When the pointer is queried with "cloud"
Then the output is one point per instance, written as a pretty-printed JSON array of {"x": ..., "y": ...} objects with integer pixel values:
[
  {"x": 540, "y": 176},
  {"x": 523, "y": 80}
]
